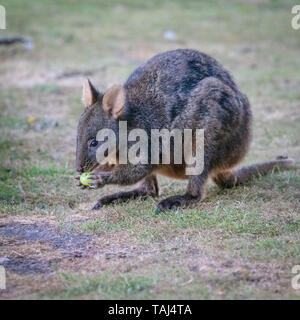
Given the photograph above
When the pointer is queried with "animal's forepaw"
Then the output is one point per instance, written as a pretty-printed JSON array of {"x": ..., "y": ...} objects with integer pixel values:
[
  {"x": 99, "y": 180},
  {"x": 174, "y": 202}
]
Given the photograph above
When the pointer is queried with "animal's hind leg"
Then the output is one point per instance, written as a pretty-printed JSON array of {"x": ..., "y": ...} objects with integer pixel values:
[
  {"x": 194, "y": 194},
  {"x": 200, "y": 113}
]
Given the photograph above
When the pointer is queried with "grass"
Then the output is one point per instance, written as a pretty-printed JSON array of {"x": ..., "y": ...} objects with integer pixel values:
[
  {"x": 238, "y": 243},
  {"x": 120, "y": 287}
]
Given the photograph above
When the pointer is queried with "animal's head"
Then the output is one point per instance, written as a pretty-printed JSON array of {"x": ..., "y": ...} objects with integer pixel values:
[{"x": 101, "y": 111}]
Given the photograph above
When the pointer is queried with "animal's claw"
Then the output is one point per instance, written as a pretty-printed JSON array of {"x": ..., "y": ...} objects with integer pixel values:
[{"x": 96, "y": 183}]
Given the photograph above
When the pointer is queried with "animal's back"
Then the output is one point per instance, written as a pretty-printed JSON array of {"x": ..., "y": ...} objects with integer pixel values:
[{"x": 166, "y": 80}]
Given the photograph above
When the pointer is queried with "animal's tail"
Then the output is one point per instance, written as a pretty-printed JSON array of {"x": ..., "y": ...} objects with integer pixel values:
[{"x": 229, "y": 179}]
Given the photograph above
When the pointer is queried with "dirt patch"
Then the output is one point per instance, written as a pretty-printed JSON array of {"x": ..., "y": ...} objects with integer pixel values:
[
  {"x": 37, "y": 248},
  {"x": 30, "y": 266},
  {"x": 45, "y": 232}
]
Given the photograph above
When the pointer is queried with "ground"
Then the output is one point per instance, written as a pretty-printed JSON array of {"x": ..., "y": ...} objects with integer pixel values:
[{"x": 240, "y": 243}]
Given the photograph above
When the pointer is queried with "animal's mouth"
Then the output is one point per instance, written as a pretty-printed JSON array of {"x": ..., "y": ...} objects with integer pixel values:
[{"x": 101, "y": 167}]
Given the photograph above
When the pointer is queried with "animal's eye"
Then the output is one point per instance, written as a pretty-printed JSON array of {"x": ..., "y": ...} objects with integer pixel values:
[{"x": 94, "y": 143}]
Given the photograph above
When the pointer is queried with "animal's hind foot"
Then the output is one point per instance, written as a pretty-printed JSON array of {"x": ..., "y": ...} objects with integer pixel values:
[{"x": 176, "y": 202}]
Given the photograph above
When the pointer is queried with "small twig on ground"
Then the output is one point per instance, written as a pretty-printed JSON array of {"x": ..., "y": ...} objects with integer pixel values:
[
  {"x": 21, "y": 188},
  {"x": 12, "y": 40}
]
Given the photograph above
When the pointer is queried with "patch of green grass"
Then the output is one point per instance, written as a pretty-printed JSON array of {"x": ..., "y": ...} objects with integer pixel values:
[
  {"x": 278, "y": 248},
  {"x": 6, "y": 144},
  {"x": 232, "y": 220},
  {"x": 17, "y": 185},
  {"x": 35, "y": 171},
  {"x": 292, "y": 226},
  {"x": 47, "y": 88},
  {"x": 9, "y": 194},
  {"x": 106, "y": 286},
  {"x": 97, "y": 226},
  {"x": 280, "y": 181},
  {"x": 13, "y": 123},
  {"x": 265, "y": 250},
  {"x": 91, "y": 226}
]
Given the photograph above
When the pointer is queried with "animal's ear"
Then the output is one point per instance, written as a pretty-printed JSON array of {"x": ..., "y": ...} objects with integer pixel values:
[
  {"x": 114, "y": 100},
  {"x": 89, "y": 93}
]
